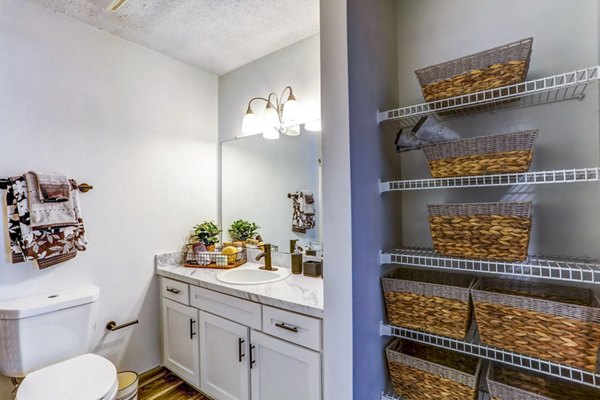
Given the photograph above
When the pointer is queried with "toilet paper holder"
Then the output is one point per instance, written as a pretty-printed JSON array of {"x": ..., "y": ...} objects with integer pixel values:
[{"x": 112, "y": 325}]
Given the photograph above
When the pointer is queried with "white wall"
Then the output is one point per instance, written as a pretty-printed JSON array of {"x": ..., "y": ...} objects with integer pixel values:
[
  {"x": 140, "y": 127},
  {"x": 565, "y": 218},
  {"x": 337, "y": 213}
]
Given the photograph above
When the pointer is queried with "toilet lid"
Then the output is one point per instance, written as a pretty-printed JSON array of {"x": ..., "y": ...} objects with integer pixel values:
[{"x": 86, "y": 377}]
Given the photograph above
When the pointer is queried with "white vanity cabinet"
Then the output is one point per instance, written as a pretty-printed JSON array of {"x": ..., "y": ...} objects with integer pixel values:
[
  {"x": 224, "y": 358},
  {"x": 242, "y": 350},
  {"x": 180, "y": 340},
  {"x": 283, "y": 370}
]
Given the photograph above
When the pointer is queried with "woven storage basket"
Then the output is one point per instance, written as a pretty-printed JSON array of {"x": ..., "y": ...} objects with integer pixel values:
[
  {"x": 493, "y": 231},
  {"x": 429, "y": 301},
  {"x": 554, "y": 323},
  {"x": 505, "y": 153},
  {"x": 512, "y": 384},
  {"x": 425, "y": 372},
  {"x": 497, "y": 67}
]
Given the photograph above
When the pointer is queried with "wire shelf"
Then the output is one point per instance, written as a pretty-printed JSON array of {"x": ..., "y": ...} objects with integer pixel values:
[
  {"x": 472, "y": 346},
  {"x": 566, "y": 86},
  {"x": 523, "y": 178},
  {"x": 534, "y": 267},
  {"x": 389, "y": 395}
]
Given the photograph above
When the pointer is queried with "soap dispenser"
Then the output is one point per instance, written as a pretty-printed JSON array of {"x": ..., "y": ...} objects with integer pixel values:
[{"x": 296, "y": 255}]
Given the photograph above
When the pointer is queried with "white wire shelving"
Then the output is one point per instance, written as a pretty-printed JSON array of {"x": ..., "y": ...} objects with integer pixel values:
[
  {"x": 511, "y": 179},
  {"x": 472, "y": 345},
  {"x": 389, "y": 395},
  {"x": 566, "y": 86},
  {"x": 572, "y": 270}
]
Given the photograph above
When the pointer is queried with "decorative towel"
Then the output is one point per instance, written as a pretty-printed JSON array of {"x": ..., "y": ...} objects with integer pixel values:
[
  {"x": 48, "y": 246},
  {"x": 307, "y": 202},
  {"x": 303, "y": 216},
  {"x": 14, "y": 226},
  {"x": 53, "y": 187},
  {"x": 48, "y": 215}
]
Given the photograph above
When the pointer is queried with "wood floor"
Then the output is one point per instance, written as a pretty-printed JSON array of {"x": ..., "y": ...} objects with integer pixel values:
[{"x": 161, "y": 384}]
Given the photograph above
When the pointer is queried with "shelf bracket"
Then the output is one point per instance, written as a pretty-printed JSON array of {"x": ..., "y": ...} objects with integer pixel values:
[{"x": 384, "y": 329}]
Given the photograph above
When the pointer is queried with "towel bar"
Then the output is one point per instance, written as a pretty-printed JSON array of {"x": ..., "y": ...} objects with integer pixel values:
[{"x": 112, "y": 325}]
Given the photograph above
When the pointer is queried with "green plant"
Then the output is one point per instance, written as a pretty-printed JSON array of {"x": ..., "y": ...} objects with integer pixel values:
[
  {"x": 241, "y": 230},
  {"x": 207, "y": 232}
]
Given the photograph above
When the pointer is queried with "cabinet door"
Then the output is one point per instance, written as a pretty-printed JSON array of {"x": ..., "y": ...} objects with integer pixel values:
[
  {"x": 180, "y": 340},
  {"x": 283, "y": 370},
  {"x": 223, "y": 358}
]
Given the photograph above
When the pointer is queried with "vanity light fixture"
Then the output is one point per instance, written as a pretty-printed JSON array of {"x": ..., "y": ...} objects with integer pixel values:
[{"x": 279, "y": 117}]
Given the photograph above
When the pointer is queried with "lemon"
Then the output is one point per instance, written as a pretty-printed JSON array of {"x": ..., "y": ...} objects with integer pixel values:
[{"x": 231, "y": 253}]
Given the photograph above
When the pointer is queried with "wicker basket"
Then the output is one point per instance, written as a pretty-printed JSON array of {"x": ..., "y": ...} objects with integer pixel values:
[
  {"x": 424, "y": 372},
  {"x": 214, "y": 259},
  {"x": 429, "y": 301},
  {"x": 493, "y": 231},
  {"x": 501, "y": 66},
  {"x": 505, "y": 153},
  {"x": 512, "y": 384},
  {"x": 554, "y": 323}
]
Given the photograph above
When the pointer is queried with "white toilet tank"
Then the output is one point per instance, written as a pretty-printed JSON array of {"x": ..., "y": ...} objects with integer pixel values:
[{"x": 38, "y": 331}]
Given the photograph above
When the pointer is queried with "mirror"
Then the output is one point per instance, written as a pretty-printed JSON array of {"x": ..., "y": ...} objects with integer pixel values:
[{"x": 258, "y": 174}]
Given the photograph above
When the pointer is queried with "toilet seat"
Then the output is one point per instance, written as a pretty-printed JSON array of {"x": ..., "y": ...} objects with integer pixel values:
[{"x": 86, "y": 377}]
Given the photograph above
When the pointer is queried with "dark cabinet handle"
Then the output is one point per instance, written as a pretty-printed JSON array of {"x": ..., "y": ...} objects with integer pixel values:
[
  {"x": 240, "y": 354},
  {"x": 192, "y": 333},
  {"x": 252, "y": 361},
  {"x": 282, "y": 325},
  {"x": 173, "y": 290}
]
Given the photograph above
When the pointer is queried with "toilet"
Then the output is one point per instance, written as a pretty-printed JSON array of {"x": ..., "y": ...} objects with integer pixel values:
[{"x": 46, "y": 339}]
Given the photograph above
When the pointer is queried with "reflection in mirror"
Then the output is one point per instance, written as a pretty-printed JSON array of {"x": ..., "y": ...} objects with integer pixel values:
[{"x": 258, "y": 175}]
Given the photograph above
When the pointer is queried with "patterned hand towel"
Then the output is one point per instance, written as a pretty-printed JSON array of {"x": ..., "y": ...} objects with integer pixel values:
[
  {"x": 48, "y": 246},
  {"x": 307, "y": 202},
  {"x": 53, "y": 187},
  {"x": 303, "y": 215},
  {"x": 48, "y": 215},
  {"x": 14, "y": 226}
]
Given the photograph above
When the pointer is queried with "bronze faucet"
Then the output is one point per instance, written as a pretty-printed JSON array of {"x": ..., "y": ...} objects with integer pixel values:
[{"x": 267, "y": 255}]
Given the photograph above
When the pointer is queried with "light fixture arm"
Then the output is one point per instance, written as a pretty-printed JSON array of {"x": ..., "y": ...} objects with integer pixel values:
[
  {"x": 291, "y": 93},
  {"x": 249, "y": 109}
]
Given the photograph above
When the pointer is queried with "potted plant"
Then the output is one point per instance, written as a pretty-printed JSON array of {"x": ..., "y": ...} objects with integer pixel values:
[
  {"x": 207, "y": 233},
  {"x": 241, "y": 230}
]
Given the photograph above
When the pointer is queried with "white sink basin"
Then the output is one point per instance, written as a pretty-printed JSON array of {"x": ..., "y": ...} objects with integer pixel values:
[{"x": 252, "y": 275}]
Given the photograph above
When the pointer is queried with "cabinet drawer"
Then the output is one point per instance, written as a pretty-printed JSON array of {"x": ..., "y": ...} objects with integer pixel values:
[
  {"x": 175, "y": 290},
  {"x": 296, "y": 328},
  {"x": 238, "y": 310}
]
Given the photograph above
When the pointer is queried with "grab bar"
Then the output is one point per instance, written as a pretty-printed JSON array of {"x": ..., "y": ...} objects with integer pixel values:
[{"x": 112, "y": 325}]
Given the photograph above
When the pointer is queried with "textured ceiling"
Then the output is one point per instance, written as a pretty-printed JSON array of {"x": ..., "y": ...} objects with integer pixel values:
[{"x": 215, "y": 35}]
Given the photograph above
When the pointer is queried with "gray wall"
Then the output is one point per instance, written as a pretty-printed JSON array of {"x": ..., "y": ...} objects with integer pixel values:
[
  {"x": 565, "y": 38},
  {"x": 376, "y": 220}
]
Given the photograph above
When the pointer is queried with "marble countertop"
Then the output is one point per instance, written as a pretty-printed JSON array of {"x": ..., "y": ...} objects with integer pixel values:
[{"x": 296, "y": 293}]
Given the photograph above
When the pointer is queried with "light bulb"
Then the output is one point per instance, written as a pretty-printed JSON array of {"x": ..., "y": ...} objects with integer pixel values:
[
  {"x": 292, "y": 112},
  {"x": 313, "y": 126},
  {"x": 270, "y": 133},
  {"x": 293, "y": 130},
  {"x": 270, "y": 122},
  {"x": 250, "y": 124}
]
